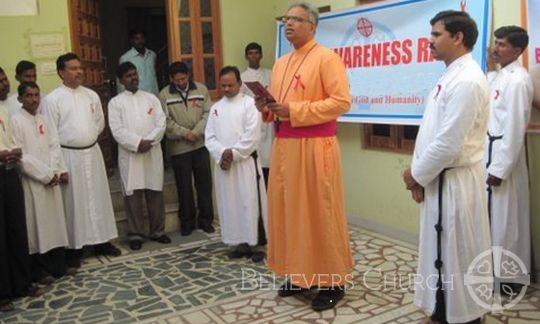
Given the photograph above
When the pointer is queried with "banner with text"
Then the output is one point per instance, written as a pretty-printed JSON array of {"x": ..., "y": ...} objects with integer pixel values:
[{"x": 385, "y": 48}]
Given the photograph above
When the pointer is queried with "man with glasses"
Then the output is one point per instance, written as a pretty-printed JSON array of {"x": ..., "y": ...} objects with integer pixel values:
[{"x": 308, "y": 239}]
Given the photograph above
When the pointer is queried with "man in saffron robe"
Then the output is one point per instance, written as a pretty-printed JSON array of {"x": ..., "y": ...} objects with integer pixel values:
[{"x": 308, "y": 240}]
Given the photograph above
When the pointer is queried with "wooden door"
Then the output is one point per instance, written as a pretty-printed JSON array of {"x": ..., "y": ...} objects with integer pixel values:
[{"x": 86, "y": 43}]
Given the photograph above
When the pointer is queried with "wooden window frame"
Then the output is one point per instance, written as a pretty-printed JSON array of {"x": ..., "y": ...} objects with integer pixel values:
[
  {"x": 197, "y": 56},
  {"x": 396, "y": 141}
]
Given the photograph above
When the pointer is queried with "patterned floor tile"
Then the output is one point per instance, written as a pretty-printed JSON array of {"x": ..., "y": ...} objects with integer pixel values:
[{"x": 195, "y": 282}]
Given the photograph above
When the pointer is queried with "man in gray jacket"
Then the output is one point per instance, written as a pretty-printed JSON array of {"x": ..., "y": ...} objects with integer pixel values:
[{"x": 187, "y": 104}]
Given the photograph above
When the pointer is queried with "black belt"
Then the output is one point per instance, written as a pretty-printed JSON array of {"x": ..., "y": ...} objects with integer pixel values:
[
  {"x": 440, "y": 309},
  {"x": 258, "y": 177},
  {"x": 78, "y": 147},
  {"x": 491, "y": 139}
]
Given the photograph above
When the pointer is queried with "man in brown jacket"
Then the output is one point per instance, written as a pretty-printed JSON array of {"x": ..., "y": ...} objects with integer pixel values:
[{"x": 187, "y": 104}]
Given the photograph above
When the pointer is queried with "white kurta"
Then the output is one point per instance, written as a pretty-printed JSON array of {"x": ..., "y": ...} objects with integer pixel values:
[
  {"x": 132, "y": 118},
  {"x": 78, "y": 118},
  {"x": 235, "y": 123},
  {"x": 267, "y": 129},
  {"x": 511, "y": 100},
  {"x": 452, "y": 135},
  {"x": 41, "y": 161}
]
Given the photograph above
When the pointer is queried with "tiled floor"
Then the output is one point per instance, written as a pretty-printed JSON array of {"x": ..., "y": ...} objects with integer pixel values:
[{"x": 192, "y": 281}]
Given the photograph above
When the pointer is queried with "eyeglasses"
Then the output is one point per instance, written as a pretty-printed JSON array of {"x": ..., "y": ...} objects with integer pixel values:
[{"x": 294, "y": 19}]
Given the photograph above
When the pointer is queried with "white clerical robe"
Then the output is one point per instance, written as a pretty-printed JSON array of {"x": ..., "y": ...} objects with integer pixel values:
[
  {"x": 78, "y": 118},
  {"x": 511, "y": 101},
  {"x": 41, "y": 161},
  {"x": 132, "y": 118},
  {"x": 267, "y": 129},
  {"x": 235, "y": 123},
  {"x": 452, "y": 135}
]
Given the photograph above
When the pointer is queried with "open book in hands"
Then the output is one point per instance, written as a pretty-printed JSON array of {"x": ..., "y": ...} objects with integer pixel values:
[{"x": 260, "y": 91}]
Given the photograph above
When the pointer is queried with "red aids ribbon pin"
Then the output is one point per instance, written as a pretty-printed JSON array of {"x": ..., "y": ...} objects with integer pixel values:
[
  {"x": 298, "y": 82},
  {"x": 215, "y": 112},
  {"x": 41, "y": 129},
  {"x": 497, "y": 94},
  {"x": 149, "y": 112}
]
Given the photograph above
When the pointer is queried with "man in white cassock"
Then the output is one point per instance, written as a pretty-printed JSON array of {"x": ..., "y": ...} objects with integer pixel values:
[
  {"x": 43, "y": 169},
  {"x": 232, "y": 135},
  {"x": 75, "y": 111},
  {"x": 447, "y": 175},
  {"x": 506, "y": 162},
  {"x": 138, "y": 123},
  {"x": 256, "y": 73}
]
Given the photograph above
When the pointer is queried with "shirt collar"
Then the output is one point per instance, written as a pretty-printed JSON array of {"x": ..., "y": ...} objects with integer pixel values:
[
  {"x": 307, "y": 46},
  {"x": 512, "y": 66}
]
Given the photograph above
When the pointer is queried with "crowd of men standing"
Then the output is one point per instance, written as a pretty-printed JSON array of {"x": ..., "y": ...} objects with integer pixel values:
[{"x": 55, "y": 199}]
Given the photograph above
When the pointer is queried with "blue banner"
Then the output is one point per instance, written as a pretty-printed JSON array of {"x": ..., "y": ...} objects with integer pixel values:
[{"x": 385, "y": 48}]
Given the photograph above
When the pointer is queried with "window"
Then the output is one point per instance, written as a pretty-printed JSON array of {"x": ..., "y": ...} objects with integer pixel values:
[
  {"x": 395, "y": 138},
  {"x": 195, "y": 38}
]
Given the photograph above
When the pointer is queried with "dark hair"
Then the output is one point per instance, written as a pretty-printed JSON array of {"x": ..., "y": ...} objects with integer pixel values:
[
  {"x": 136, "y": 31},
  {"x": 253, "y": 46},
  {"x": 123, "y": 68},
  {"x": 21, "y": 89},
  {"x": 62, "y": 59},
  {"x": 228, "y": 69},
  {"x": 458, "y": 21},
  {"x": 178, "y": 67},
  {"x": 2, "y": 70},
  {"x": 515, "y": 35},
  {"x": 24, "y": 66}
]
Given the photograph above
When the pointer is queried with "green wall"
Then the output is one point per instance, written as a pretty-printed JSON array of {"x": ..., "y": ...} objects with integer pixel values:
[
  {"x": 15, "y": 35},
  {"x": 245, "y": 21}
]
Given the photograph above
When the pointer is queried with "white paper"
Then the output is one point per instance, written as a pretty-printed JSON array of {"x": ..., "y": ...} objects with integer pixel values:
[{"x": 18, "y": 7}]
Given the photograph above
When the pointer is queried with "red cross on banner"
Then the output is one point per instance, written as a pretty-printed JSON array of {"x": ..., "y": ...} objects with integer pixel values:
[{"x": 463, "y": 5}]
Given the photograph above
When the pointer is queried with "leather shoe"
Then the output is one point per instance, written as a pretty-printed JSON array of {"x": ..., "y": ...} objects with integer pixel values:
[
  {"x": 107, "y": 249},
  {"x": 34, "y": 291},
  {"x": 288, "y": 289},
  {"x": 207, "y": 228},
  {"x": 185, "y": 231},
  {"x": 46, "y": 280},
  {"x": 327, "y": 298},
  {"x": 6, "y": 306},
  {"x": 240, "y": 251},
  {"x": 257, "y": 256},
  {"x": 135, "y": 245},
  {"x": 164, "y": 239}
]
